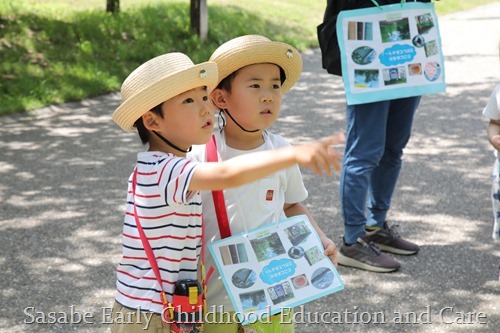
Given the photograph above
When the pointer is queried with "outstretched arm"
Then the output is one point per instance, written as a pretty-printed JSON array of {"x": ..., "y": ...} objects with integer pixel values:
[{"x": 317, "y": 155}]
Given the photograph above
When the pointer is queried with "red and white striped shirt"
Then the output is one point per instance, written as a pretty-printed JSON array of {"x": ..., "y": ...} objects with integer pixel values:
[{"x": 171, "y": 219}]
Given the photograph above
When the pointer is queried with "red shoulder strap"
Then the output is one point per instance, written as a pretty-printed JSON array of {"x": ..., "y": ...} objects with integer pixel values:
[
  {"x": 151, "y": 256},
  {"x": 219, "y": 202}
]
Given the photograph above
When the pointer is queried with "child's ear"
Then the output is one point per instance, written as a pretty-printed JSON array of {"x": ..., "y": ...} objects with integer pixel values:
[
  {"x": 218, "y": 98},
  {"x": 149, "y": 120}
]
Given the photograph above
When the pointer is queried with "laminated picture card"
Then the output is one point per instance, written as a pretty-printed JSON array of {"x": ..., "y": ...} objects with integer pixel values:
[
  {"x": 390, "y": 52},
  {"x": 280, "y": 265}
]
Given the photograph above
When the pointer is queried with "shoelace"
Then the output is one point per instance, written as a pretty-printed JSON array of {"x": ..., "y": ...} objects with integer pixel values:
[
  {"x": 372, "y": 248},
  {"x": 392, "y": 232}
]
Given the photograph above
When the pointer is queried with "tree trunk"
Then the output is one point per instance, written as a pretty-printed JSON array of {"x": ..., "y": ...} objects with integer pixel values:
[
  {"x": 113, "y": 6},
  {"x": 199, "y": 18}
]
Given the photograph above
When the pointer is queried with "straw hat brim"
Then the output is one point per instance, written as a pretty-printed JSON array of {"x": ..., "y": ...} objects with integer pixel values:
[
  {"x": 204, "y": 74},
  {"x": 253, "y": 50}
]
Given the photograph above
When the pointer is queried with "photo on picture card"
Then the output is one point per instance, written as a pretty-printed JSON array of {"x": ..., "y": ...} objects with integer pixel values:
[
  {"x": 424, "y": 23},
  {"x": 360, "y": 30},
  {"x": 267, "y": 247},
  {"x": 233, "y": 254},
  {"x": 395, "y": 30},
  {"x": 280, "y": 292}
]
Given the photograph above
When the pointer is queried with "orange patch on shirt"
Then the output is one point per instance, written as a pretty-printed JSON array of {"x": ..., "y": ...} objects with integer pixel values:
[{"x": 269, "y": 195}]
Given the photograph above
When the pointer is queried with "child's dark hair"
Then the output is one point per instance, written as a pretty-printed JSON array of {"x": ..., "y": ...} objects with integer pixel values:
[
  {"x": 141, "y": 129},
  {"x": 226, "y": 83}
]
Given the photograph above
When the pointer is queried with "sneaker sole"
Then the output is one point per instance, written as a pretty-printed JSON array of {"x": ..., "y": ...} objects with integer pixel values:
[
  {"x": 350, "y": 262},
  {"x": 394, "y": 250}
]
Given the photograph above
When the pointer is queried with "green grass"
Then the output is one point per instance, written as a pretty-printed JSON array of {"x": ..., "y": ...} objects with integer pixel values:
[{"x": 64, "y": 50}]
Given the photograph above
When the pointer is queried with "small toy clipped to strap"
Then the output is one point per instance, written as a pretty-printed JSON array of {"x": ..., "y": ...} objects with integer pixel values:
[
  {"x": 188, "y": 301},
  {"x": 186, "y": 312}
]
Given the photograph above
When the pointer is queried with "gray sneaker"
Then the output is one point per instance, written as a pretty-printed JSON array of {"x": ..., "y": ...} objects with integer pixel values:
[
  {"x": 366, "y": 256},
  {"x": 389, "y": 240}
]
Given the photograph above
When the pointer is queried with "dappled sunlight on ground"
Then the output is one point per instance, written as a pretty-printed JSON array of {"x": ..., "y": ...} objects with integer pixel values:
[{"x": 64, "y": 179}]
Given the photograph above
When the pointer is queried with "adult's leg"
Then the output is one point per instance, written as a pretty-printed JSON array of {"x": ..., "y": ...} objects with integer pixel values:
[
  {"x": 385, "y": 175},
  {"x": 365, "y": 142}
]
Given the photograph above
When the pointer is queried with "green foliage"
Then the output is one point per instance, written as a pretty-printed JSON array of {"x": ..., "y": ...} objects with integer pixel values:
[
  {"x": 55, "y": 56},
  {"x": 57, "y": 51}
]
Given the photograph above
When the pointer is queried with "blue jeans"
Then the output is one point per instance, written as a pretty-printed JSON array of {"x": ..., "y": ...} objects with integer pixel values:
[{"x": 376, "y": 135}]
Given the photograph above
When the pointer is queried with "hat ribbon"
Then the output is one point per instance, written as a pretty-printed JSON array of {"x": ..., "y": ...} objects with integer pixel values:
[{"x": 248, "y": 131}]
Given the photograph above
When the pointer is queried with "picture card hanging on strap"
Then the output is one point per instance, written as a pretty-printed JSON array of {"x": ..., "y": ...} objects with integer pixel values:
[
  {"x": 274, "y": 268},
  {"x": 390, "y": 52}
]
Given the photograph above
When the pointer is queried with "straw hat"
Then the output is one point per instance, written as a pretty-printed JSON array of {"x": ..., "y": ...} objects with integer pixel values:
[
  {"x": 158, "y": 80},
  {"x": 255, "y": 49}
]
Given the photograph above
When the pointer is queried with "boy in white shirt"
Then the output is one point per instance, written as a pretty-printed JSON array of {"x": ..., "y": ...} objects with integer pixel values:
[{"x": 254, "y": 73}]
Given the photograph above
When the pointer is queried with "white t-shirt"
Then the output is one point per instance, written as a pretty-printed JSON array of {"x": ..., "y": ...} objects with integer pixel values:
[
  {"x": 492, "y": 108},
  {"x": 170, "y": 216},
  {"x": 248, "y": 206}
]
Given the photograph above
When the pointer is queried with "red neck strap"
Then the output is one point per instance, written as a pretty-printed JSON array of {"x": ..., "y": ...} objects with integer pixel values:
[{"x": 219, "y": 202}]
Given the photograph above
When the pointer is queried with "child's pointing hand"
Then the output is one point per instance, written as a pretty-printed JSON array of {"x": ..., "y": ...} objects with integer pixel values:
[{"x": 320, "y": 155}]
